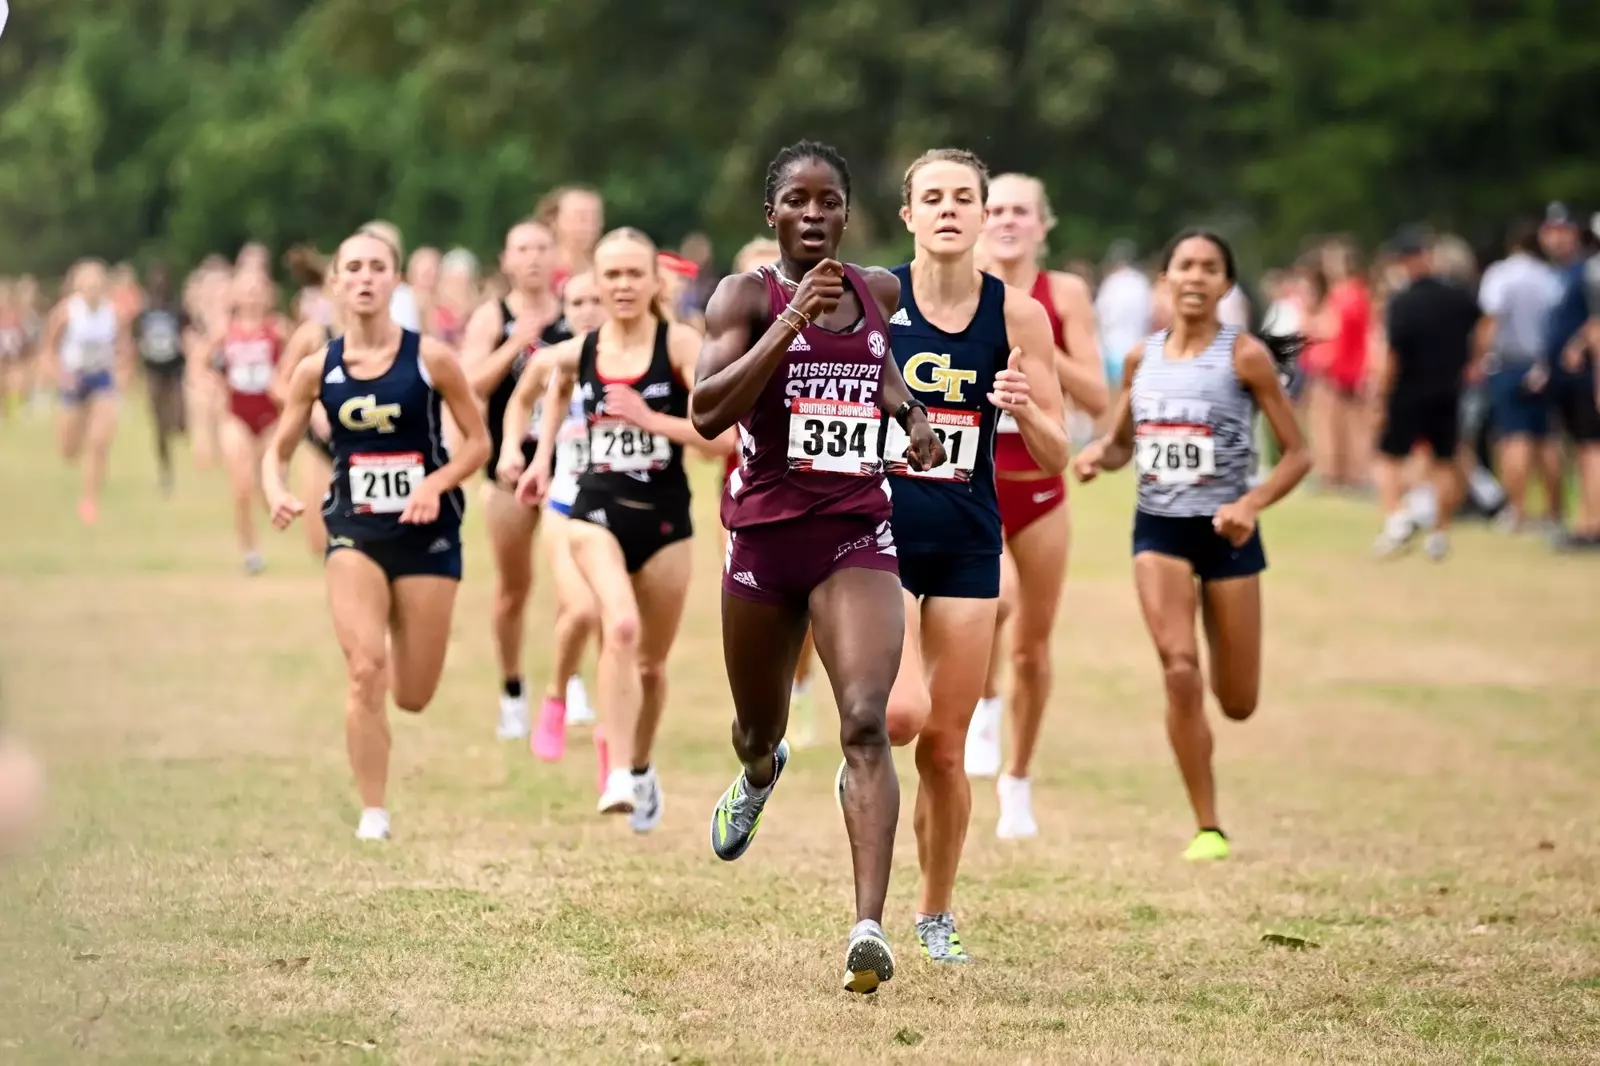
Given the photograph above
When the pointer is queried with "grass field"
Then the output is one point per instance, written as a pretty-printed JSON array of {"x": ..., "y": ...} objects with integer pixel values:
[{"x": 1418, "y": 798}]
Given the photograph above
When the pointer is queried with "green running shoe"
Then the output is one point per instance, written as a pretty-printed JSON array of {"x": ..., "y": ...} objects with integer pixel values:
[
  {"x": 1207, "y": 845},
  {"x": 868, "y": 962},
  {"x": 939, "y": 939},
  {"x": 738, "y": 814}
]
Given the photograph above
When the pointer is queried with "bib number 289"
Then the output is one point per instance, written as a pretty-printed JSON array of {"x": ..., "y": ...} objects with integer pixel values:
[{"x": 833, "y": 436}]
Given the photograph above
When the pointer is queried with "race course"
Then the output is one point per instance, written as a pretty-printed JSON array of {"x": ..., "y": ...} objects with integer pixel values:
[{"x": 1413, "y": 811}]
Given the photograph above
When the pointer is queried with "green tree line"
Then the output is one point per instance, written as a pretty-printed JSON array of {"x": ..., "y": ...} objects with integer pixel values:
[{"x": 174, "y": 128}]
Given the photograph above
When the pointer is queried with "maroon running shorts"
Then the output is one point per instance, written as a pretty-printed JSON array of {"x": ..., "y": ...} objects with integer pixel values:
[{"x": 781, "y": 563}]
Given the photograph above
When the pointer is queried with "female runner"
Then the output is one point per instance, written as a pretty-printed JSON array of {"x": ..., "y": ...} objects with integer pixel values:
[
  {"x": 246, "y": 364},
  {"x": 1033, "y": 502},
  {"x": 1185, "y": 413},
  {"x": 501, "y": 337},
  {"x": 565, "y": 699},
  {"x": 90, "y": 343},
  {"x": 316, "y": 458},
  {"x": 971, "y": 348},
  {"x": 575, "y": 214},
  {"x": 393, "y": 508},
  {"x": 630, "y": 525},
  {"x": 795, "y": 357}
]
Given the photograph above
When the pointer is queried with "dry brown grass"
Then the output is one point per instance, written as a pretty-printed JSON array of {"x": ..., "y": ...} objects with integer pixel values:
[{"x": 1417, "y": 797}]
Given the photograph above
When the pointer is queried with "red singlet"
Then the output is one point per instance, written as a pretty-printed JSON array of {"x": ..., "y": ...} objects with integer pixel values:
[{"x": 249, "y": 358}]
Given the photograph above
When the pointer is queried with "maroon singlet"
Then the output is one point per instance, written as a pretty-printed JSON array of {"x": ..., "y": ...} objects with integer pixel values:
[{"x": 812, "y": 445}]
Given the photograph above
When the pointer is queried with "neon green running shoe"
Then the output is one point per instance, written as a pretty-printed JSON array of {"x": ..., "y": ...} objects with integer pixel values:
[
  {"x": 1207, "y": 845},
  {"x": 939, "y": 939},
  {"x": 738, "y": 812}
]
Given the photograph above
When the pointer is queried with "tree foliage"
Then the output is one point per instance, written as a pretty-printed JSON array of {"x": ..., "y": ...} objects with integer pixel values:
[{"x": 179, "y": 127}]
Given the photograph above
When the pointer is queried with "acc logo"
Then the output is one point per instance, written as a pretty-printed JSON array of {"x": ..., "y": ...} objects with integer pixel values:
[
  {"x": 365, "y": 412},
  {"x": 876, "y": 344},
  {"x": 940, "y": 377}
]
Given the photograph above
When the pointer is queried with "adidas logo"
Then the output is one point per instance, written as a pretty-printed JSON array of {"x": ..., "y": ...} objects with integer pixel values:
[
  {"x": 799, "y": 344},
  {"x": 440, "y": 545},
  {"x": 745, "y": 577},
  {"x": 335, "y": 376},
  {"x": 900, "y": 318}
]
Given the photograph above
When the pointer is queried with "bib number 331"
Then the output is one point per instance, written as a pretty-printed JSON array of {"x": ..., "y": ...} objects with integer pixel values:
[
  {"x": 834, "y": 436},
  {"x": 382, "y": 484},
  {"x": 1172, "y": 454}
]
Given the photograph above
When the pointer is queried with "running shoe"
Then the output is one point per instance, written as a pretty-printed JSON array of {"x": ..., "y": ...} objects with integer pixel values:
[
  {"x": 253, "y": 563},
  {"x": 88, "y": 511},
  {"x": 1207, "y": 845},
  {"x": 1016, "y": 809},
  {"x": 513, "y": 718},
  {"x": 550, "y": 736},
  {"x": 1398, "y": 532},
  {"x": 617, "y": 797},
  {"x": 939, "y": 939},
  {"x": 1436, "y": 545},
  {"x": 579, "y": 712},
  {"x": 374, "y": 824},
  {"x": 983, "y": 739},
  {"x": 647, "y": 802},
  {"x": 738, "y": 814},
  {"x": 868, "y": 961}
]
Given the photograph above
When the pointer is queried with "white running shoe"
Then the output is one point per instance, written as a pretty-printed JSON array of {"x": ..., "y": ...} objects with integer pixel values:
[
  {"x": 648, "y": 802},
  {"x": 1016, "y": 809},
  {"x": 1398, "y": 531},
  {"x": 253, "y": 563},
  {"x": 578, "y": 710},
  {"x": 1436, "y": 545},
  {"x": 618, "y": 795},
  {"x": 513, "y": 718},
  {"x": 374, "y": 824},
  {"x": 983, "y": 738}
]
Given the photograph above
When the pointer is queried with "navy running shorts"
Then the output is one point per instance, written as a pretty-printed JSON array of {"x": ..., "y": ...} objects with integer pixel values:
[
  {"x": 419, "y": 553},
  {"x": 955, "y": 575},
  {"x": 1193, "y": 540}
]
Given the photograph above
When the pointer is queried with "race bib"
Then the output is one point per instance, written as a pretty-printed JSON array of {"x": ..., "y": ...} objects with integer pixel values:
[
  {"x": 618, "y": 447},
  {"x": 1173, "y": 453},
  {"x": 250, "y": 379},
  {"x": 382, "y": 483},
  {"x": 92, "y": 356},
  {"x": 834, "y": 436},
  {"x": 956, "y": 430},
  {"x": 572, "y": 449}
]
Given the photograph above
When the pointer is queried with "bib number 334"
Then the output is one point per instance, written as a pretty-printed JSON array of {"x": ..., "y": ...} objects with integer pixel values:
[
  {"x": 1176, "y": 454},
  {"x": 834, "y": 436},
  {"x": 382, "y": 484}
]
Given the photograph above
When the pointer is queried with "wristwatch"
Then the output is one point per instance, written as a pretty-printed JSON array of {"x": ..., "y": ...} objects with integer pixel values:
[{"x": 903, "y": 412}]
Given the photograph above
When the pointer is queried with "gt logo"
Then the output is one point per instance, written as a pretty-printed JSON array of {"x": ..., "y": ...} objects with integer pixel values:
[
  {"x": 940, "y": 378},
  {"x": 365, "y": 412}
]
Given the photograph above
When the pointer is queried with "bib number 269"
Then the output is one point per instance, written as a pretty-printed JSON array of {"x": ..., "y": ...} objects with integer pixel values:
[{"x": 1177, "y": 455}]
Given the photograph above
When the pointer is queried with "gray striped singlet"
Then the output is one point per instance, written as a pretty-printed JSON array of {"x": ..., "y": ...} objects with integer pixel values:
[{"x": 1192, "y": 424}]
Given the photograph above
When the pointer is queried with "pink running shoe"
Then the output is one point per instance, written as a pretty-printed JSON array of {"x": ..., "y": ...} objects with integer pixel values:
[
  {"x": 88, "y": 511},
  {"x": 549, "y": 740}
]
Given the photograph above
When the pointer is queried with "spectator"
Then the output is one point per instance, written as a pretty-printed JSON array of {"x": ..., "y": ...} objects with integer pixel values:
[
  {"x": 1518, "y": 293},
  {"x": 1571, "y": 360},
  {"x": 1431, "y": 324},
  {"x": 1122, "y": 307}
]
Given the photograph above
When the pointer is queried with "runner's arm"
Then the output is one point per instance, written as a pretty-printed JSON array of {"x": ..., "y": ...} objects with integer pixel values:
[
  {"x": 298, "y": 347},
  {"x": 50, "y": 346},
  {"x": 487, "y": 364},
  {"x": 1117, "y": 444},
  {"x": 733, "y": 368},
  {"x": 562, "y": 361},
  {"x": 1041, "y": 420},
  {"x": 304, "y": 384},
  {"x": 1254, "y": 366},
  {"x": 683, "y": 349},
  {"x": 450, "y": 382},
  {"x": 1081, "y": 371}
]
